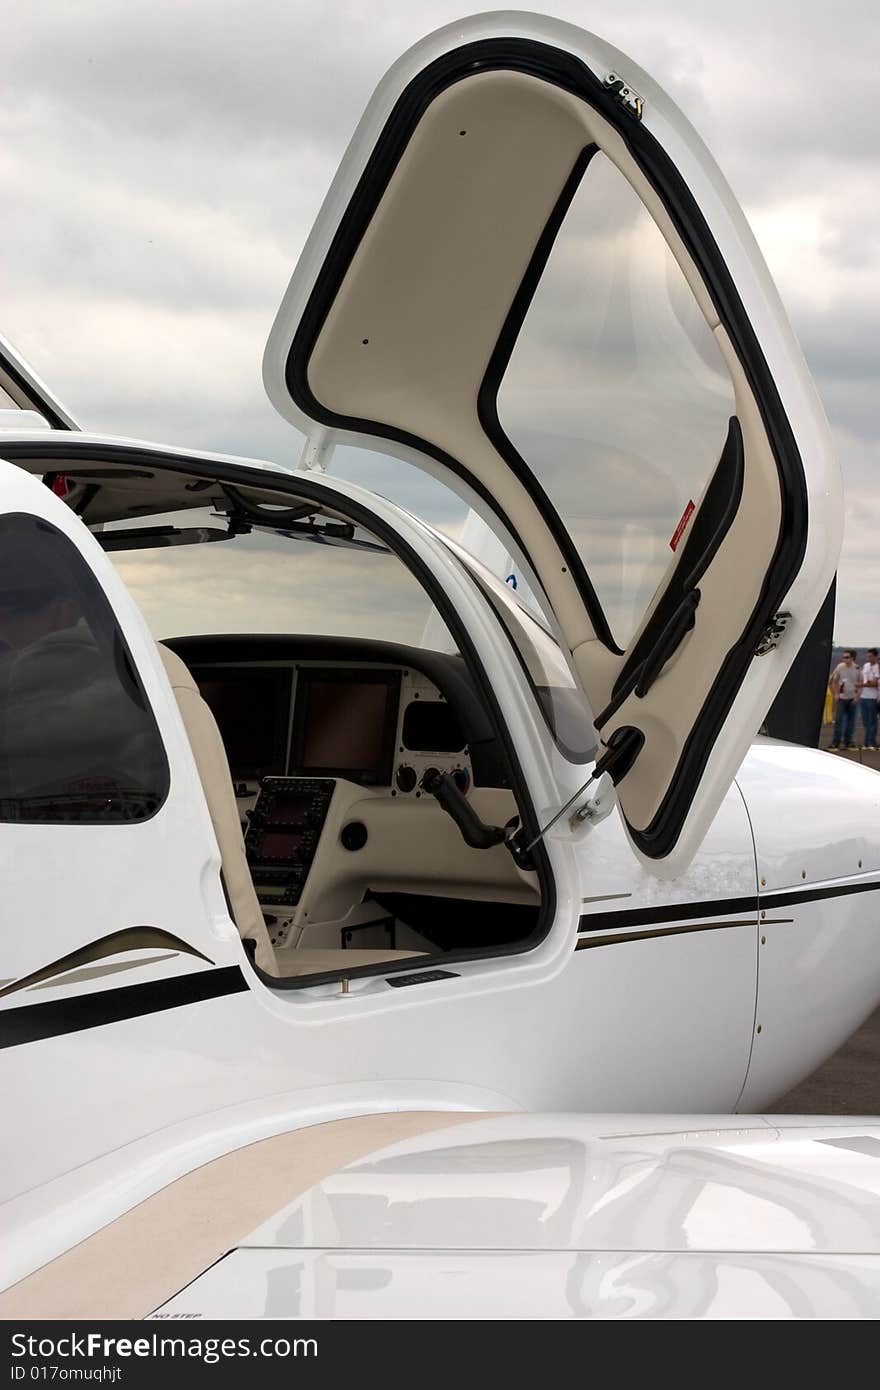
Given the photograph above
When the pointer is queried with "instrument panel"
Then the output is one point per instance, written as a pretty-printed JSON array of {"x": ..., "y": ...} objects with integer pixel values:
[
  {"x": 283, "y": 836},
  {"x": 373, "y": 724},
  {"x": 327, "y": 739}
]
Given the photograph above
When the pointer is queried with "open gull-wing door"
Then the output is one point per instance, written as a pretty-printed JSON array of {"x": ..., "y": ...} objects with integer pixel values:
[{"x": 401, "y": 328}]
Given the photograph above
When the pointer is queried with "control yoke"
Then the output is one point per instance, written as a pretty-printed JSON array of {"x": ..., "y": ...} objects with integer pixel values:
[{"x": 475, "y": 832}]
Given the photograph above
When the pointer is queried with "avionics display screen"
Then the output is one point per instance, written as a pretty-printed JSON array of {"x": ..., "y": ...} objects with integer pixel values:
[
  {"x": 345, "y": 725},
  {"x": 280, "y": 844},
  {"x": 252, "y": 709},
  {"x": 291, "y": 808}
]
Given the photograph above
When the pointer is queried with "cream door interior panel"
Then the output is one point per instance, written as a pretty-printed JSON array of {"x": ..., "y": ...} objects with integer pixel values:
[
  {"x": 399, "y": 324},
  {"x": 534, "y": 134}
]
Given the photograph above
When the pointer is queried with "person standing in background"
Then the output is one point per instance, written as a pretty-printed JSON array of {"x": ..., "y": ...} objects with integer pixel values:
[
  {"x": 868, "y": 699},
  {"x": 845, "y": 684}
]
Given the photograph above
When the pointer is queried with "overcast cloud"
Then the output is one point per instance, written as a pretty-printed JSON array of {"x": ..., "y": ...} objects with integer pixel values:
[{"x": 162, "y": 166}]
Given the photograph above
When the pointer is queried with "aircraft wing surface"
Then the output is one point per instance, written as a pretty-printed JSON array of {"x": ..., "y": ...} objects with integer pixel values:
[{"x": 562, "y": 1216}]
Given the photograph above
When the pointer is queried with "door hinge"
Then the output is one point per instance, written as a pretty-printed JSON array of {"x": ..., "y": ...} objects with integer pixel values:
[
  {"x": 317, "y": 451},
  {"x": 772, "y": 632}
]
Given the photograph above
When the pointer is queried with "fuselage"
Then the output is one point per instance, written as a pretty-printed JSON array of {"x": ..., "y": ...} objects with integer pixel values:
[
  {"x": 131, "y": 1061},
  {"x": 713, "y": 992}
]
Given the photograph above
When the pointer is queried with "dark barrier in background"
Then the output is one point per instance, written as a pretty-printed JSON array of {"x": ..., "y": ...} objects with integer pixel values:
[{"x": 796, "y": 713}]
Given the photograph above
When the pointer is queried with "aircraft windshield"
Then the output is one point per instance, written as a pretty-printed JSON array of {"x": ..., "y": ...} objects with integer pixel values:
[{"x": 267, "y": 582}]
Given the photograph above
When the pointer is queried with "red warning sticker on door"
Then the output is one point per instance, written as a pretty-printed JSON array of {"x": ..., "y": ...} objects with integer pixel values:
[{"x": 679, "y": 530}]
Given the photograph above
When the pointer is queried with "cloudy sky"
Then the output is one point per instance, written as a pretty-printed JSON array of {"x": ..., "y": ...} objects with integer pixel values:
[{"x": 162, "y": 165}]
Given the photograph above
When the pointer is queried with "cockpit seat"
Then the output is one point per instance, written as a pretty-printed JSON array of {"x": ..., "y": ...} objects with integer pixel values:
[{"x": 213, "y": 768}]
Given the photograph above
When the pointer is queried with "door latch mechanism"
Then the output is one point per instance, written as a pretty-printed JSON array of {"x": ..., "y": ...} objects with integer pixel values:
[
  {"x": 625, "y": 94},
  {"x": 769, "y": 638}
]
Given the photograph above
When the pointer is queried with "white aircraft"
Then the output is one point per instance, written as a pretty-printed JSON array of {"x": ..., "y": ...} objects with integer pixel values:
[{"x": 448, "y": 898}]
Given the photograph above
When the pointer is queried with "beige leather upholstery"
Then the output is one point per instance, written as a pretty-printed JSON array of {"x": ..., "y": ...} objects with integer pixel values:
[
  {"x": 213, "y": 768},
  {"x": 210, "y": 755}
]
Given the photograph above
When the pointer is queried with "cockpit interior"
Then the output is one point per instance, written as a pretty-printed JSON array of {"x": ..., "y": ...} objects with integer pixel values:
[
  {"x": 361, "y": 797},
  {"x": 335, "y": 749}
]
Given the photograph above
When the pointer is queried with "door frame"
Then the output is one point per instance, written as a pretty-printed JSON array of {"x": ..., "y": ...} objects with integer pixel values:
[{"x": 300, "y": 484}]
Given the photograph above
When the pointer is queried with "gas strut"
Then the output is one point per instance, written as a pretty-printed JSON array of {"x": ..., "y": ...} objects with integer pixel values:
[{"x": 621, "y": 751}]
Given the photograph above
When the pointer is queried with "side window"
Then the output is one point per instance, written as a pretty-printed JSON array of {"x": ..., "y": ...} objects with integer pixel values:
[
  {"x": 78, "y": 742},
  {"x": 563, "y": 703},
  {"x": 616, "y": 394}
]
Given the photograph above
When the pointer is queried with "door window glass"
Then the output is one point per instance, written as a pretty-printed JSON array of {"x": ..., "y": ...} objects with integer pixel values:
[{"x": 616, "y": 394}]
